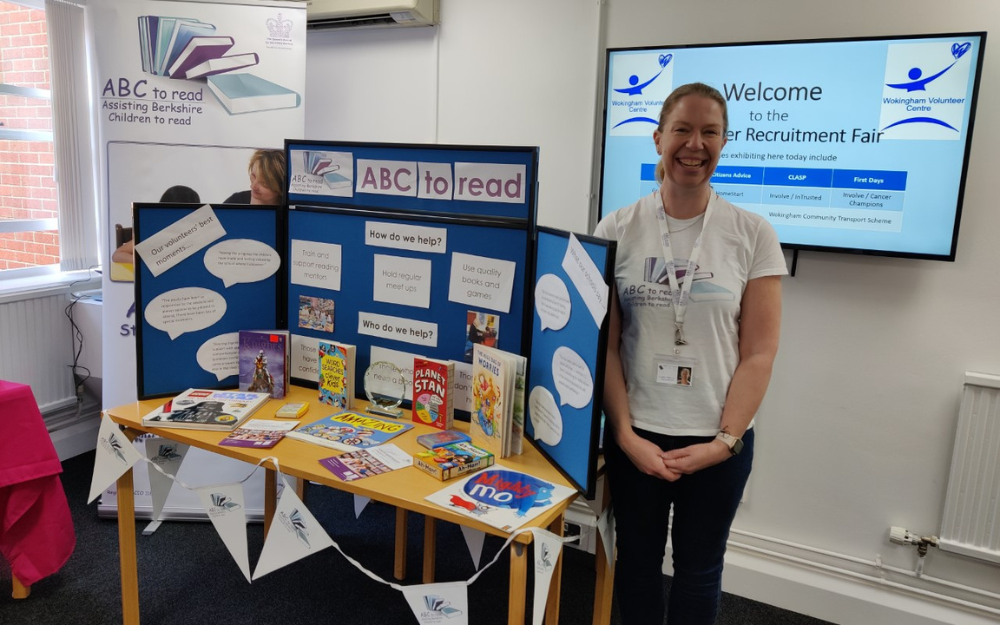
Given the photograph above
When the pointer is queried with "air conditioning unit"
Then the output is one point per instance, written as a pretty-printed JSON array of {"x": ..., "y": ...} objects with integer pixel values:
[{"x": 325, "y": 14}]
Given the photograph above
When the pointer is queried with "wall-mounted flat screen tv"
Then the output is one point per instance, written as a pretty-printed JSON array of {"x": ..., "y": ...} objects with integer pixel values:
[{"x": 846, "y": 145}]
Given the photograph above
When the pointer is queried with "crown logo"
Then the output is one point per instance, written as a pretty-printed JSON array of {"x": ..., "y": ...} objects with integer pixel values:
[{"x": 279, "y": 28}]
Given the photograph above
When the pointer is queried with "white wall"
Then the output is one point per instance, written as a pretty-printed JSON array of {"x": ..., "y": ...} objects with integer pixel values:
[{"x": 857, "y": 429}]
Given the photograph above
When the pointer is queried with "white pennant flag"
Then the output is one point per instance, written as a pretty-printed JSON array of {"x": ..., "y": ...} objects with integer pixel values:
[
  {"x": 606, "y": 526},
  {"x": 115, "y": 455},
  {"x": 433, "y": 604},
  {"x": 225, "y": 507},
  {"x": 548, "y": 546},
  {"x": 474, "y": 541},
  {"x": 360, "y": 501},
  {"x": 294, "y": 534},
  {"x": 168, "y": 455}
]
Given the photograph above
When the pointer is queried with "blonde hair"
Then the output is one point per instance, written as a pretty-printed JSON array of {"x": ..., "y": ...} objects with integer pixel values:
[
  {"x": 270, "y": 169},
  {"x": 693, "y": 88}
]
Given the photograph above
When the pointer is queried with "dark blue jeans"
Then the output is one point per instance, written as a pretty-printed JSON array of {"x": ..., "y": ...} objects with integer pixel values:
[{"x": 704, "y": 505}]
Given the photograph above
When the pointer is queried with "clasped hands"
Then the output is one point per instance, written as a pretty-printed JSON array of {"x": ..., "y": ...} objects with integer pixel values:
[{"x": 671, "y": 465}]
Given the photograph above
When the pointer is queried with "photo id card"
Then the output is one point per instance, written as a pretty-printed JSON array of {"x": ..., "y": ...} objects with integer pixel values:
[{"x": 676, "y": 371}]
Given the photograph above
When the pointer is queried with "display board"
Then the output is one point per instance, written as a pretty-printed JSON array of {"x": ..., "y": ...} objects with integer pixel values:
[
  {"x": 405, "y": 250},
  {"x": 569, "y": 331},
  {"x": 203, "y": 274}
]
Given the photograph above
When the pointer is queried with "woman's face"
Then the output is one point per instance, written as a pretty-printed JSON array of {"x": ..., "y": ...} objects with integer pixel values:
[
  {"x": 259, "y": 192},
  {"x": 691, "y": 141}
]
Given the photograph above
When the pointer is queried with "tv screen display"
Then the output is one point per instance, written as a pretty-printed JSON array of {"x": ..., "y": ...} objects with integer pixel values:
[{"x": 849, "y": 145}]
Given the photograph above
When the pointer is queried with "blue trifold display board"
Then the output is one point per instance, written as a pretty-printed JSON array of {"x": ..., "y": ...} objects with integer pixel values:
[
  {"x": 564, "y": 412},
  {"x": 399, "y": 250},
  {"x": 166, "y": 366}
]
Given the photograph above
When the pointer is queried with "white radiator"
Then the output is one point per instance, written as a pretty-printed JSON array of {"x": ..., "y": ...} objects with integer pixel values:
[
  {"x": 36, "y": 348},
  {"x": 971, "y": 522}
]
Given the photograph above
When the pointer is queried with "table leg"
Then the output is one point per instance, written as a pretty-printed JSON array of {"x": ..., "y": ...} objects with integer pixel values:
[
  {"x": 430, "y": 548},
  {"x": 605, "y": 574},
  {"x": 399, "y": 570},
  {"x": 20, "y": 590},
  {"x": 126, "y": 545},
  {"x": 518, "y": 583},
  {"x": 270, "y": 497},
  {"x": 557, "y": 527}
]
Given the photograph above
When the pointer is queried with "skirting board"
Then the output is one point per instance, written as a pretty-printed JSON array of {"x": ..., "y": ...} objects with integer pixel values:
[{"x": 830, "y": 597}]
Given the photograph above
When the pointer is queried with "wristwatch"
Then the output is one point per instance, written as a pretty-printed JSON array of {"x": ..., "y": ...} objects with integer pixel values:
[{"x": 734, "y": 444}]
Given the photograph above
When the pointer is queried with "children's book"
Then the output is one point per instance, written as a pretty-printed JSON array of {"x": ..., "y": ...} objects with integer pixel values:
[
  {"x": 433, "y": 392},
  {"x": 517, "y": 419},
  {"x": 247, "y": 93},
  {"x": 198, "y": 50},
  {"x": 493, "y": 373},
  {"x": 258, "y": 433},
  {"x": 436, "y": 439},
  {"x": 452, "y": 460},
  {"x": 201, "y": 409},
  {"x": 349, "y": 431},
  {"x": 355, "y": 465},
  {"x": 222, "y": 64},
  {"x": 336, "y": 374},
  {"x": 263, "y": 361},
  {"x": 500, "y": 497}
]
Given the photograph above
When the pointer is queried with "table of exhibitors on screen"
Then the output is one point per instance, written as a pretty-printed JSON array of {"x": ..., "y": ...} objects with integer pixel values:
[{"x": 868, "y": 199}]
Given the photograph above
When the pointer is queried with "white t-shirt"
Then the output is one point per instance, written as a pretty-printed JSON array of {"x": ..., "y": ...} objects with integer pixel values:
[{"x": 737, "y": 246}]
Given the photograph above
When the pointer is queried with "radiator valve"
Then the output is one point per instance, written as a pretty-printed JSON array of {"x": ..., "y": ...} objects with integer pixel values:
[{"x": 903, "y": 536}]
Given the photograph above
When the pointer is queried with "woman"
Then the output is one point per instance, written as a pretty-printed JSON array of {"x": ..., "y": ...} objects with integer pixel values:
[
  {"x": 717, "y": 315},
  {"x": 267, "y": 179}
]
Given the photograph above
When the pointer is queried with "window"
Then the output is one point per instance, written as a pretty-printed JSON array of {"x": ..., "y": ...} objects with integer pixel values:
[{"x": 29, "y": 236}]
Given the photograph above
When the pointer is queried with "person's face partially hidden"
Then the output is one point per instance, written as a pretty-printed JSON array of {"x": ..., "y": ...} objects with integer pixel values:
[{"x": 259, "y": 193}]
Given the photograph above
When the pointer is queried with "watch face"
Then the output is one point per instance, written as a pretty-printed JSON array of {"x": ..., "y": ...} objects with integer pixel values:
[{"x": 737, "y": 446}]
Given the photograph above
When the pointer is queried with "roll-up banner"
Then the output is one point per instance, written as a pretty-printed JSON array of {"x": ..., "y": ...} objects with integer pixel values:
[{"x": 185, "y": 93}]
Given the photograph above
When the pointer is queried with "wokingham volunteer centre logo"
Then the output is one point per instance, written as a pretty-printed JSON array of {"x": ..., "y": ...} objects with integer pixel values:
[
  {"x": 925, "y": 91},
  {"x": 639, "y": 85}
]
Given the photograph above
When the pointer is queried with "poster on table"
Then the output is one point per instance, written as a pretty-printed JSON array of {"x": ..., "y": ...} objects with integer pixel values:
[{"x": 185, "y": 92}]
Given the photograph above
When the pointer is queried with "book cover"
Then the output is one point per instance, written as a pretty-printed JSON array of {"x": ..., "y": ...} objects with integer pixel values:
[
  {"x": 258, "y": 433},
  {"x": 436, "y": 439},
  {"x": 184, "y": 31},
  {"x": 247, "y": 93},
  {"x": 355, "y": 465},
  {"x": 198, "y": 50},
  {"x": 349, "y": 431},
  {"x": 453, "y": 460},
  {"x": 491, "y": 378},
  {"x": 202, "y": 409},
  {"x": 336, "y": 374},
  {"x": 433, "y": 393},
  {"x": 222, "y": 64},
  {"x": 264, "y": 361},
  {"x": 500, "y": 497}
]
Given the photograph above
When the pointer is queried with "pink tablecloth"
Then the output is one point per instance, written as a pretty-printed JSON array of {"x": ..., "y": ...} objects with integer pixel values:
[{"x": 36, "y": 528}]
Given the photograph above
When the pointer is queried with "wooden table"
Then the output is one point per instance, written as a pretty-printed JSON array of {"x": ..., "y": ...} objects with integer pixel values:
[{"x": 405, "y": 489}]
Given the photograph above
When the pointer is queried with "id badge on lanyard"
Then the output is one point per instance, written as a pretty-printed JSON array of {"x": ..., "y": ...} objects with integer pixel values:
[{"x": 679, "y": 293}]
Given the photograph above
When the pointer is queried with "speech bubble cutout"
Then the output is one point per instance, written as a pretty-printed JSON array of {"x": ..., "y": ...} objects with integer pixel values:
[
  {"x": 545, "y": 416},
  {"x": 185, "y": 310},
  {"x": 573, "y": 379},
  {"x": 552, "y": 302},
  {"x": 221, "y": 355},
  {"x": 241, "y": 260}
]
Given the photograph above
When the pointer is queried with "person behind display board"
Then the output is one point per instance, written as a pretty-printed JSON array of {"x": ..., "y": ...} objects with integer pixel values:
[
  {"x": 687, "y": 445},
  {"x": 267, "y": 179},
  {"x": 177, "y": 194}
]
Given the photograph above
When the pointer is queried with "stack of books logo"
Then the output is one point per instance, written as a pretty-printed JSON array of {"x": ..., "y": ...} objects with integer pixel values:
[{"x": 186, "y": 48}]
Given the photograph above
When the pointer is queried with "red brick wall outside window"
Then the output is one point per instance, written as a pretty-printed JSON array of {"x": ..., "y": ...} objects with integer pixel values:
[{"x": 27, "y": 183}]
